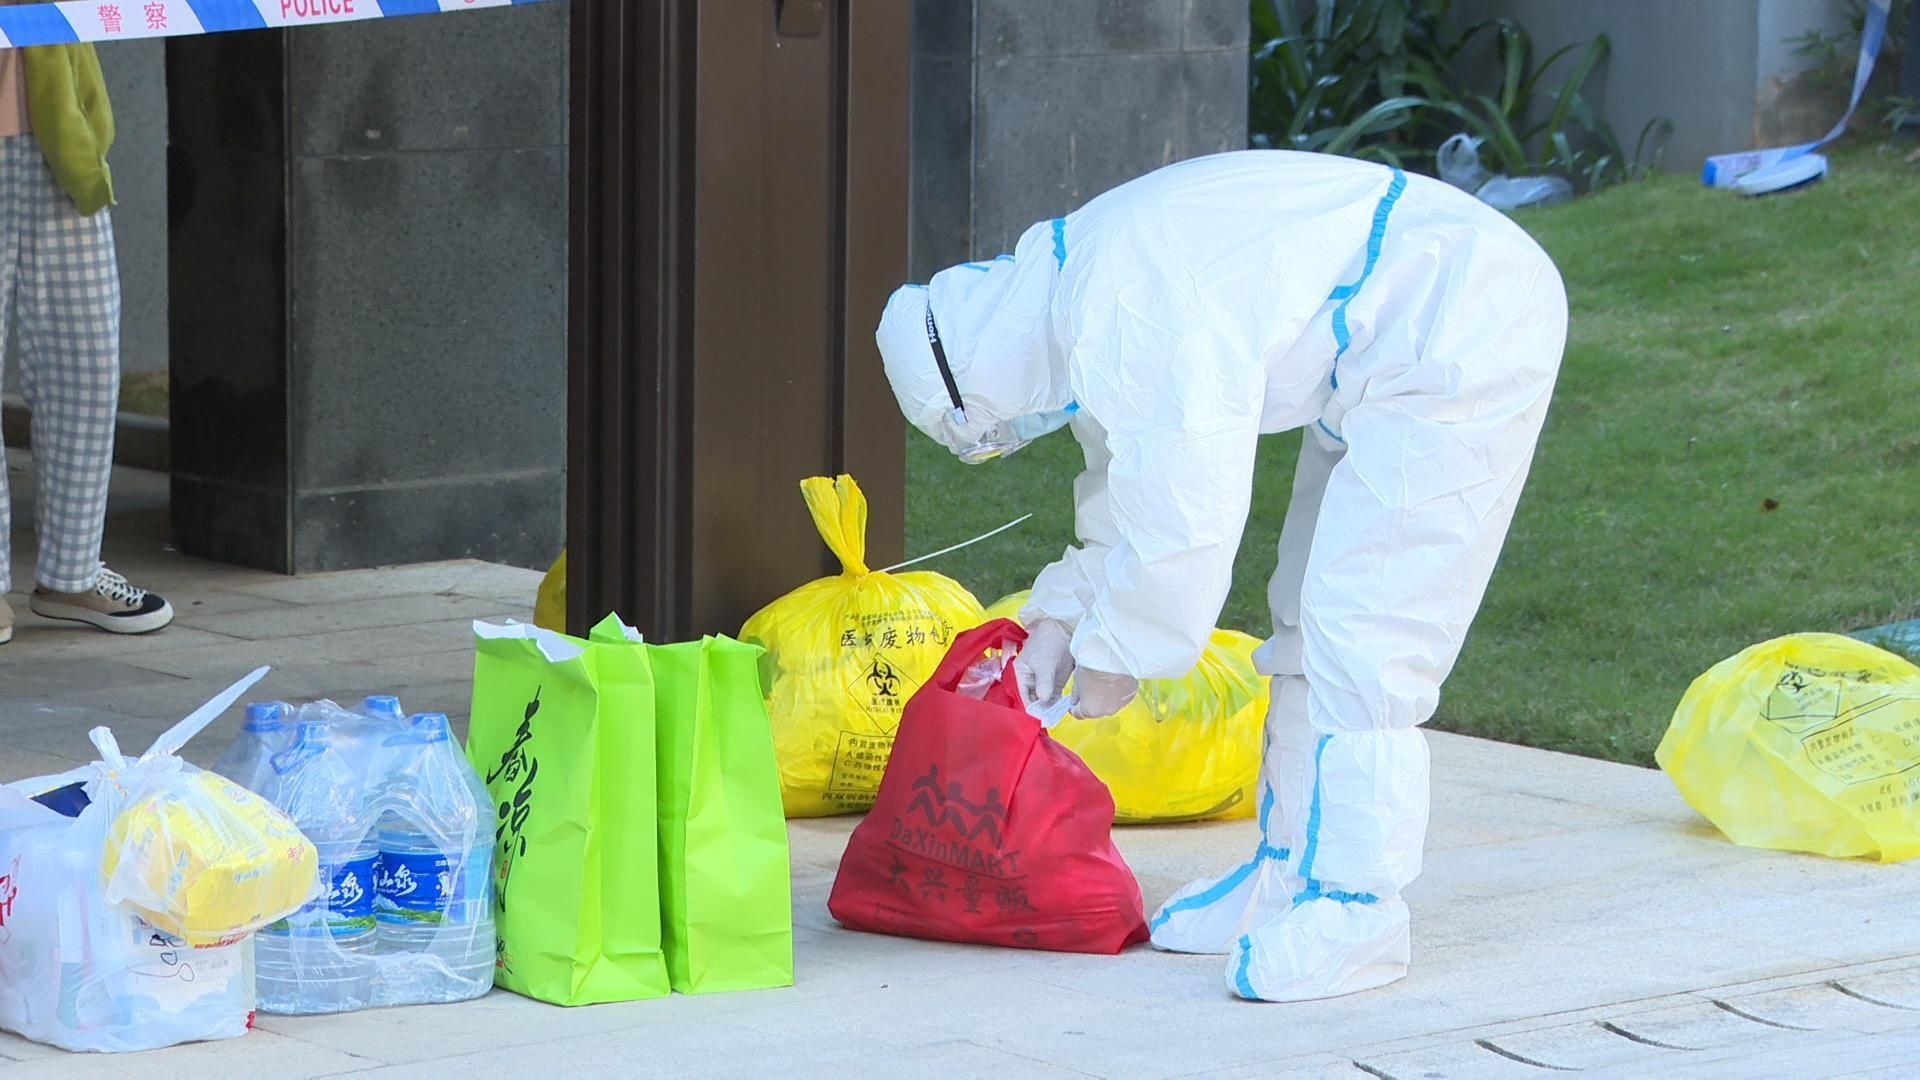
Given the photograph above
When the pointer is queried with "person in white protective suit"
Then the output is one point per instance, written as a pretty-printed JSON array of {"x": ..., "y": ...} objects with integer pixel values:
[{"x": 1414, "y": 333}]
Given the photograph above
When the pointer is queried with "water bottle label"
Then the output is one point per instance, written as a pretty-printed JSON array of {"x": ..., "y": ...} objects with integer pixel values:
[
  {"x": 351, "y": 896},
  {"x": 347, "y": 907},
  {"x": 417, "y": 881},
  {"x": 429, "y": 886}
]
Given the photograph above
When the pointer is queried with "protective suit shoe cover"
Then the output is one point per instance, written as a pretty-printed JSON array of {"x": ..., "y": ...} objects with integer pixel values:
[
  {"x": 1209, "y": 915},
  {"x": 1323, "y": 948}
]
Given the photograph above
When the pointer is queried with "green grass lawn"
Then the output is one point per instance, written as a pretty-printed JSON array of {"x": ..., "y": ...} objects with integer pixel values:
[{"x": 1733, "y": 454}]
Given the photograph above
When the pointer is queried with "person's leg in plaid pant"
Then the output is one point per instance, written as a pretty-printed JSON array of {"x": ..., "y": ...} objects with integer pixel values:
[{"x": 60, "y": 281}]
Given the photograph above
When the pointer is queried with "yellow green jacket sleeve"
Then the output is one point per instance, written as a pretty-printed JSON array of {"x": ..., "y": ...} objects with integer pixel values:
[{"x": 72, "y": 120}]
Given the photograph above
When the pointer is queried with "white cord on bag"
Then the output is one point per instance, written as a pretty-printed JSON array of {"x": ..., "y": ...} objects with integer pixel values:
[{"x": 957, "y": 547}]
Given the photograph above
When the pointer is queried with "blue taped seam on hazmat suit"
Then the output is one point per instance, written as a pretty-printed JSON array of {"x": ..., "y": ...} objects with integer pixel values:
[
  {"x": 1342, "y": 337},
  {"x": 1217, "y": 891},
  {"x": 1202, "y": 306}
]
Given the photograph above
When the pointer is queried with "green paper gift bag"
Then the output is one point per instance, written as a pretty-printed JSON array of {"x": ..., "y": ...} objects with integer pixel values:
[
  {"x": 562, "y": 732},
  {"x": 726, "y": 890}
]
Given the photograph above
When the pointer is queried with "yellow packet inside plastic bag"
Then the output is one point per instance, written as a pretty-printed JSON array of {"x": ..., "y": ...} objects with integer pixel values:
[
  {"x": 206, "y": 860},
  {"x": 193, "y": 853},
  {"x": 1804, "y": 743},
  {"x": 1186, "y": 749},
  {"x": 843, "y": 656}
]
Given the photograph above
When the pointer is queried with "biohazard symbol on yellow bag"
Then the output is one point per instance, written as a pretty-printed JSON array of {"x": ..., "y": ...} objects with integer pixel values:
[
  {"x": 1186, "y": 749},
  {"x": 845, "y": 653},
  {"x": 1804, "y": 743}
]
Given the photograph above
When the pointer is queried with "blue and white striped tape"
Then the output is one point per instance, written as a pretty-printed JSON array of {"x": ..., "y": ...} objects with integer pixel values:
[
  {"x": 71, "y": 21},
  {"x": 1726, "y": 170}
]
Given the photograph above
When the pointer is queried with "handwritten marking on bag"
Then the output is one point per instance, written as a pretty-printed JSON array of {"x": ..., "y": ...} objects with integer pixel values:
[
  {"x": 517, "y": 765},
  {"x": 177, "y": 958},
  {"x": 172, "y": 968}
]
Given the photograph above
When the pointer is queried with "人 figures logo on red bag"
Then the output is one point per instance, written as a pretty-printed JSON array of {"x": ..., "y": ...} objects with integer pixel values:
[{"x": 950, "y": 806}]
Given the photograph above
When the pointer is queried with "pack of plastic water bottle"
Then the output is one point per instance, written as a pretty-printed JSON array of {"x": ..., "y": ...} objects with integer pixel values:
[{"x": 402, "y": 825}]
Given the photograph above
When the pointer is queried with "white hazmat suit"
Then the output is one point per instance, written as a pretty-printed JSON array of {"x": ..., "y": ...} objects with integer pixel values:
[{"x": 1415, "y": 334}]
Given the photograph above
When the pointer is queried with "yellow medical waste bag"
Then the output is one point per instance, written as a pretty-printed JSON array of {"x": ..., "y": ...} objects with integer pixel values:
[
  {"x": 843, "y": 656},
  {"x": 1804, "y": 743},
  {"x": 1186, "y": 749},
  {"x": 550, "y": 602}
]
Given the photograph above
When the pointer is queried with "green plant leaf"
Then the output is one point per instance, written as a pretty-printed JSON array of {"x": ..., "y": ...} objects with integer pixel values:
[
  {"x": 1286, "y": 17},
  {"x": 1386, "y": 114},
  {"x": 1563, "y": 154},
  {"x": 1509, "y": 150},
  {"x": 1532, "y": 85},
  {"x": 1304, "y": 114},
  {"x": 1657, "y": 125},
  {"x": 1514, "y": 47},
  {"x": 1583, "y": 68},
  {"x": 1597, "y": 176},
  {"x": 1391, "y": 33}
]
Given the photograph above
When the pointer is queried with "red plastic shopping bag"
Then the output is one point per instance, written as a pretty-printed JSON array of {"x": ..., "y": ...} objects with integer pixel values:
[{"x": 986, "y": 829}]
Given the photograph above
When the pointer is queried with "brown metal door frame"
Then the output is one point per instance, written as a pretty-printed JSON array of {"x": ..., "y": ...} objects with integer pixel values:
[{"x": 738, "y": 213}]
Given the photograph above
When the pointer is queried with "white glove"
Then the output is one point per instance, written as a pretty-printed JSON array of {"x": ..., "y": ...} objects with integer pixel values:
[
  {"x": 1100, "y": 694},
  {"x": 1045, "y": 663}
]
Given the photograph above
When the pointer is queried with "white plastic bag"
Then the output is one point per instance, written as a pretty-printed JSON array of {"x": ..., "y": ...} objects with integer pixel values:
[
  {"x": 1459, "y": 163},
  {"x": 81, "y": 971},
  {"x": 1514, "y": 192}
]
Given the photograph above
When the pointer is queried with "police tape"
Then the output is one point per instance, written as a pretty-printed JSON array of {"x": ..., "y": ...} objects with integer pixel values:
[
  {"x": 1728, "y": 170},
  {"x": 72, "y": 21}
]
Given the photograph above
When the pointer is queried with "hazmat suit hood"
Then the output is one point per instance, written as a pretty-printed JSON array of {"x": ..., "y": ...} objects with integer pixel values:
[{"x": 996, "y": 327}]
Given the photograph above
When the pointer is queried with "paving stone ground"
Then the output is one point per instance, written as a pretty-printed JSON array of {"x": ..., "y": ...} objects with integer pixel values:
[{"x": 1574, "y": 915}]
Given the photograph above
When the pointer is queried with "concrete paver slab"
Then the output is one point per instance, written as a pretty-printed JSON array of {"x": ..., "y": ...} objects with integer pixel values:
[
  {"x": 1821, "y": 1007},
  {"x": 1895, "y": 989},
  {"x": 285, "y": 621}
]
